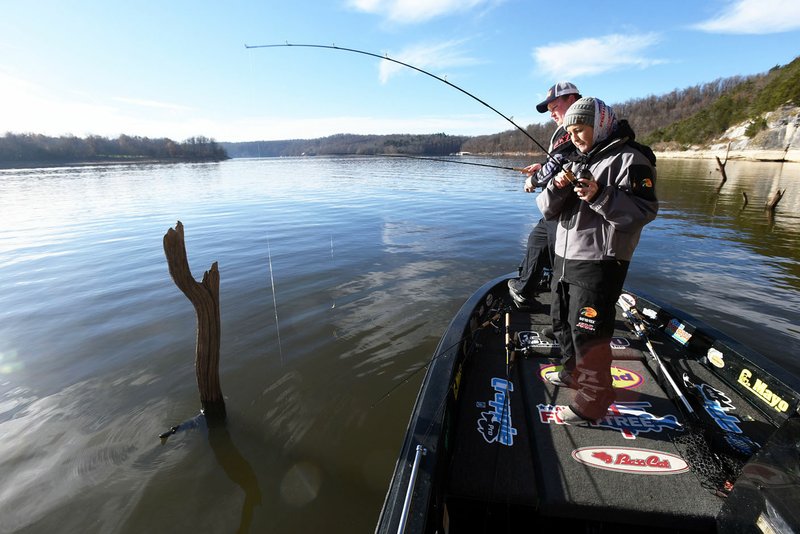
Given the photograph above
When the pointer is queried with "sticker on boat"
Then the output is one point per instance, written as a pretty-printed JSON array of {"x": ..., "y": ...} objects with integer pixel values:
[
  {"x": 531, "y": 339},
  {"x": 629, "y": 418},
  {"x": 716, "y": 358},
  {"x": 650, "y": 313},
  {"x": 677, "y": 330},
  {"x": 620, "y": 343},
  {"x": 495, "y": 425},
  {"x": 621, "y": 378},
  {"x": 630, "y": 460}
]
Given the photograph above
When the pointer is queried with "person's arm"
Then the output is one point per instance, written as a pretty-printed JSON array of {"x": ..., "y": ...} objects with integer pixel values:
[
  {"x": 552, "y": 198},
  {"x": 630, "y": 201}
]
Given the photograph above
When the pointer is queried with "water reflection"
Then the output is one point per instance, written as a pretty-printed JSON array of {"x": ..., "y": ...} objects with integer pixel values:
[{"x": 238, "y": 470}]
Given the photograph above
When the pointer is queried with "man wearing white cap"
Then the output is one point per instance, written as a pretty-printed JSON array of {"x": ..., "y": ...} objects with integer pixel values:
[{"x": 539, "y": 252}]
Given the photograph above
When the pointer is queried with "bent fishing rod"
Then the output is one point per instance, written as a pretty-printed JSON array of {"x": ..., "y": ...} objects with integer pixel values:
[{"x": 386, "y": 57}]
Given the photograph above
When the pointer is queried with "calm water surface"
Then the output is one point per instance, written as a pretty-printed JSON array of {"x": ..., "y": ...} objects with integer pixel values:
[{"x": 337, "y": 277}]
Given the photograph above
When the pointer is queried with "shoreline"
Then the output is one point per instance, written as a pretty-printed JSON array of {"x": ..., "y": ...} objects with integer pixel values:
[
  {"x": 96, "y": 162},
  {"x": 787, "y": 156},
  {"x": 757, "y": 155},
  {"x": 791, "y": 155}
]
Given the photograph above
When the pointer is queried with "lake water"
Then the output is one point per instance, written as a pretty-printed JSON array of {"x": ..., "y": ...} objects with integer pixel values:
[{"x": 338, "y": 275}]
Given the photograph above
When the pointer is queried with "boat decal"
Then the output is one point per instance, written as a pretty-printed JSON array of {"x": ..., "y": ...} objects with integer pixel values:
[
  {"x": 761, "y": 390},
  {"x": 629, "y": 418},
  {"x": 621, "y": 378},
  {"x": 619, "y": 343},
  {"x": 530, "y": 339},
  {"x": 650, "y": 313},
  {"x": 716, "y": 358},
  {"x": 677, "y": 331},
  {"x": 630, "y": 460},
  {"x": 717, "y": 404},
  {"x": 495, "y": 425}
]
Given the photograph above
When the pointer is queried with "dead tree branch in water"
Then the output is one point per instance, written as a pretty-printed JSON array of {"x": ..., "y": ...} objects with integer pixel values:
[
  {"x": 721, "y": 168},
  {"x": 744, "y": 196},
  {"x": 773, "y": 201},
  {"x": 205, "y": 298}
]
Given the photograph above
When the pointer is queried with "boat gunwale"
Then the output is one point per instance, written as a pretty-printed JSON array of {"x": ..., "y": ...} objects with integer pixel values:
[{"x": 420, "y": 431}]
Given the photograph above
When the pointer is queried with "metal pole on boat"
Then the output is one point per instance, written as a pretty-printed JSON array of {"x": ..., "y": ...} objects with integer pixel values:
[{"x": 421, "y": 451}]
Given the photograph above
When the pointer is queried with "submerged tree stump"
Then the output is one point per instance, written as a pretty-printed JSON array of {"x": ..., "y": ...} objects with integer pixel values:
[
  {"x": 773, "y": 202},
  {"x": 205, "y": 298},
  {"x": 721, "y": 168}
]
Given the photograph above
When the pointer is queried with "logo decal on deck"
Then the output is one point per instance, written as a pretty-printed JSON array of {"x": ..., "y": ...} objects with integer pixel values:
[
  {"x": 628, "y": 460},
  {"x": 716, "y": 358},
  {"x": 760, "y": 390},
  {"x": 630, "y": 418},
  {"x": 621, "y": 378},
  {"x": 495, "y": 425},
  {"x": 678, "y": 332},
  {"x": 534, "y": 340},
  {"x": 717, "y": 404},
  {"x": 619, "y": 343}
]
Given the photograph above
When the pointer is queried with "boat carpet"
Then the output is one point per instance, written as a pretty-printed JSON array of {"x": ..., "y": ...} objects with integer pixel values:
[{"x": 624, "y": 469}]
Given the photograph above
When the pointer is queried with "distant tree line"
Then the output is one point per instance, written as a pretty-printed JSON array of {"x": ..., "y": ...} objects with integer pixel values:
[
  {"x": 350, "y": 144},
  {"x": 34, "y": 148}
]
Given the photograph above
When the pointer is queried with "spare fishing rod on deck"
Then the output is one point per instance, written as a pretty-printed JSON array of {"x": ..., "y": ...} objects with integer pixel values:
[{"x": 570, "y": 176}]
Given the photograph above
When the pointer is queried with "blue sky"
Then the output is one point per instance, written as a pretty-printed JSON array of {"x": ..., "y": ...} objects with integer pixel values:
[{"x": 180, "y": 68}]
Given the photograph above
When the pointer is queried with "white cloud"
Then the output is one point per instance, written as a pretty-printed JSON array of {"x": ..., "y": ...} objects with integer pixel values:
[
  {"x": 411, "y": 11},
  {"x": 596, "y": 55},
  {"x": 755, "y": 17},
  {"x": 426, "y": 56}
]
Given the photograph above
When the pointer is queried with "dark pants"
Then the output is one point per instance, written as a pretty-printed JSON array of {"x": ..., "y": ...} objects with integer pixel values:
[
  {"x": 538, "y": 257},
  {"x": 583, "y": 321}
]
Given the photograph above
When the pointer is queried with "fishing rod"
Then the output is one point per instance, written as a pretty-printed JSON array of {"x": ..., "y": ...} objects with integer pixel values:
[
  {"x": 386, "y": 57},
  {"x": 425, "y": 158}
]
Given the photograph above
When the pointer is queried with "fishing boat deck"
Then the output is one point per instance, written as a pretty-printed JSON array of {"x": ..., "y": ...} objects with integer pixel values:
[{"x": 514, "y": 462}]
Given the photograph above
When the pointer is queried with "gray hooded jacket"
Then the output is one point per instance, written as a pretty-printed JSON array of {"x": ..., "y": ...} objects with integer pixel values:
[{"x": 608, "y": 228}]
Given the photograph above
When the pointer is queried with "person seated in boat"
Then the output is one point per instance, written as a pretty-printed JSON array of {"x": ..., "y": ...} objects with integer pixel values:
[
  {"x": 600, "y": 213},
  {"x": 539, "y": 251}
]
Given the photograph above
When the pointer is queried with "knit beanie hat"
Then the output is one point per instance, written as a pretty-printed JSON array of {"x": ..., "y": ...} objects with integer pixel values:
[{"x": 592, "y": 112}]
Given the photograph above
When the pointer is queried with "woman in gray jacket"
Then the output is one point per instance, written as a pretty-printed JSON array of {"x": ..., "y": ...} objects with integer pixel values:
[{"x": 600, "y": 216}]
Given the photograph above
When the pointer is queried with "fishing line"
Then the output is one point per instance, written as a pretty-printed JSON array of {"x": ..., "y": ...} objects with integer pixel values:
[
  {"x": 274, "y": 300},
  {"x": 333, "y": 265},
  {"x": 426, "y": 158},
  {"x": 454, "y": 86}
]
